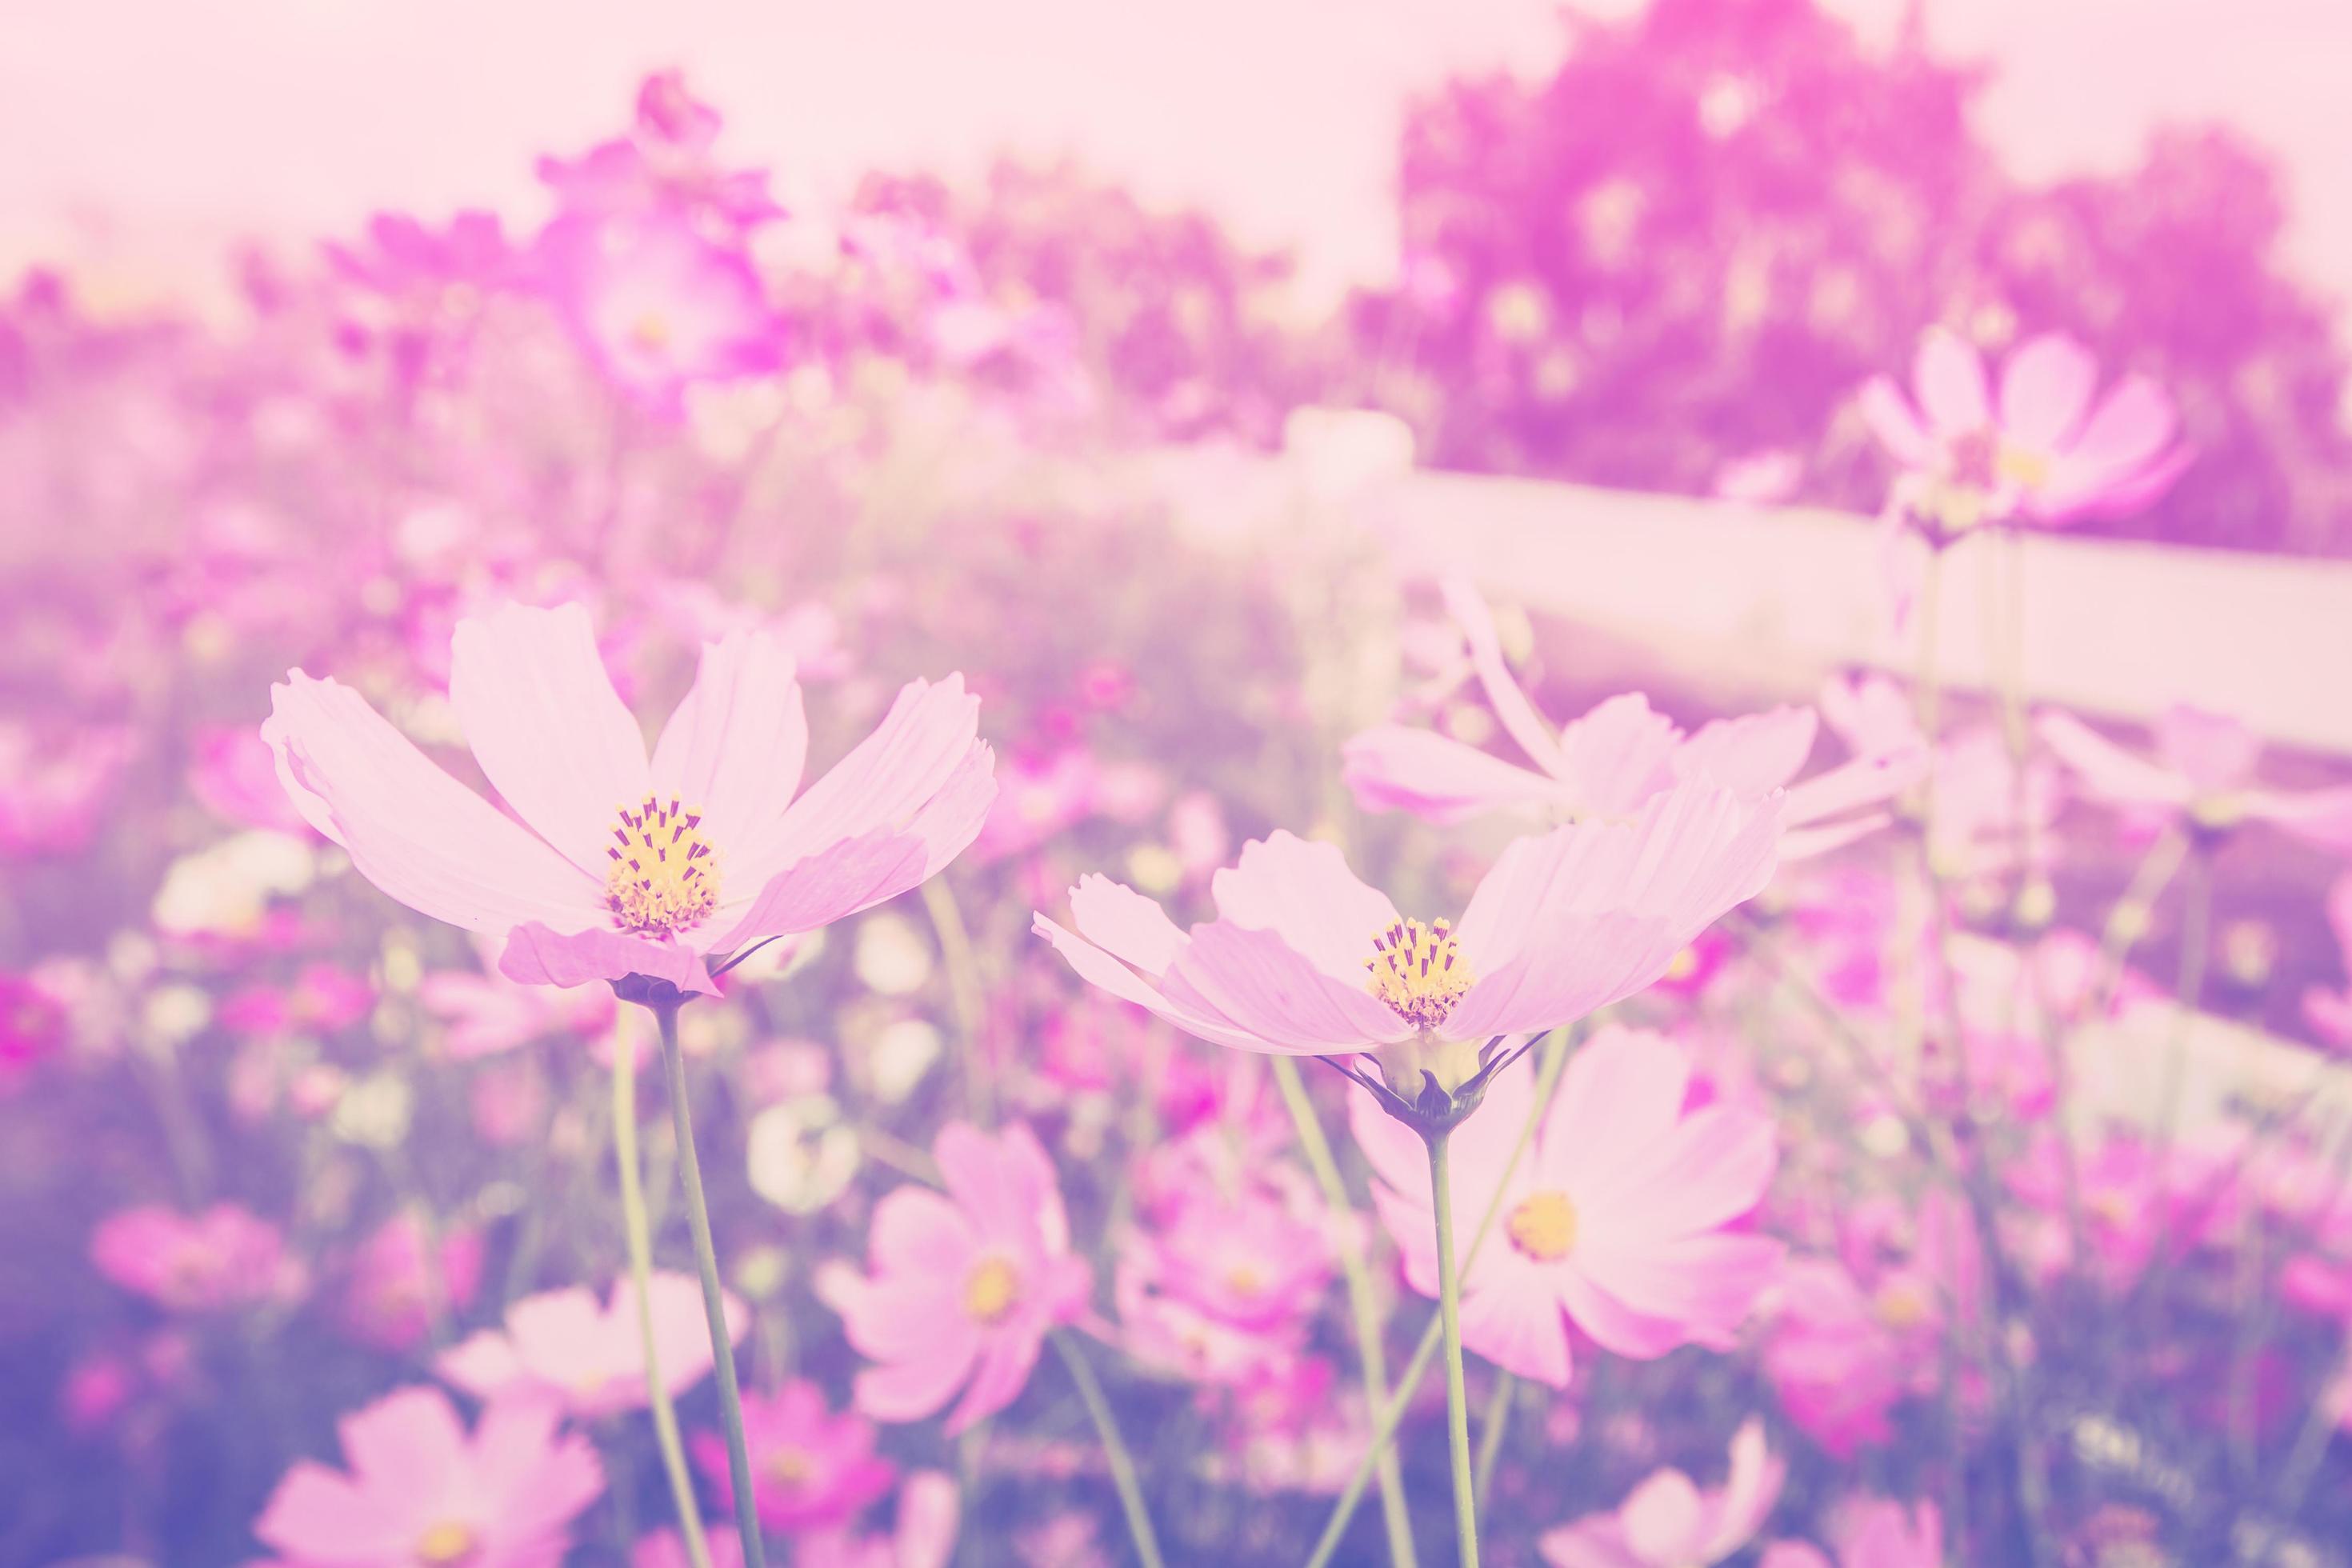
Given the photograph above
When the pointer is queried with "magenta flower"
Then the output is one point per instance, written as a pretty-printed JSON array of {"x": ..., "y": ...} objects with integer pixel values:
[
  {"x": 811, "y": 1469},
  {"x": 398, "y": 1279},
  {"x": 420, "y": 1493},
  {"x": 33, "y": 1027},
  {"x": 2039, "y": 451},
  {"x": 1305, "y": 960},
  {"x": 1617, "y": 1218},
  {"x": 1839, "y": 1360},
  {"x": 225, "y": 1258},
  {"x": 1612, "y": 760},
  {"x": 2203, "y": 776},
  {"x": 964, "y": 1284},
  {"x": 657, "y": 306},
  {"x": 561, "y": 1348},
  {"x": 924, "y": 1535},
  {"x": 620, "y": 865},
  {"x": 1223, "y": 1287},
  {"x": 1668, "y": 1522}
]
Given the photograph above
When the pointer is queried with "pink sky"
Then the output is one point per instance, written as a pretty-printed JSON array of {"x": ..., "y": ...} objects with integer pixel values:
[{"x": 144, "y": 131}]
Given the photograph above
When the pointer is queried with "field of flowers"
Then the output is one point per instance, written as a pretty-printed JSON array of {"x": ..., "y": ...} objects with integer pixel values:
[{"x": 649, "y": 913}]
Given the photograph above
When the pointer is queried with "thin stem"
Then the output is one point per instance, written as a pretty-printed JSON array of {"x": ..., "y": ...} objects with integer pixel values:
[
  {"x": 641, "y": 1269},
  {"x": 1449, "y": 1314},
  {"x": 1395, "y": 1510},
  {"x": 963, "y": 994},
  {"x": 1409, "y": 1382},
  {"x": 714, "y": 1301},
  {"x": 1122, "y": 1465},
  {"x": 1492, "y": 1427}
]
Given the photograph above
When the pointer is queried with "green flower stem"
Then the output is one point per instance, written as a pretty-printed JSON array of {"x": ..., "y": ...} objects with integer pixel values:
[
  {"x": 1492, "y": 1427},
  {"x": 641, "y": 1269},
  {"x": 1395, "y": 1511},
  {"x": 1122, "y": 1466},
  {"x": 706, "y": 1262},
  {"x": 1449, "y": 1314},
  {"x": 1384, "y": 1428}
]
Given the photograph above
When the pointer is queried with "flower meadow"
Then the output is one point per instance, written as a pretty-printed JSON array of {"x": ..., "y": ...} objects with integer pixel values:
[{"x": 656, "y": 908}]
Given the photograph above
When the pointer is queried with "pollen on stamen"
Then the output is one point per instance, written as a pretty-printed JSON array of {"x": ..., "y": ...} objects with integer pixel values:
[
  {"x": 650, "y": 891},
  {"x": 1418, "y": 971}
]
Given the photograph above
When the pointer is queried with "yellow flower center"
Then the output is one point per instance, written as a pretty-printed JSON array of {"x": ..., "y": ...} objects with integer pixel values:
[
  {"x": 664, "y": 874},
  {"x": 1244, "y": 1280},
  {"x": 650, "y": 331},
  {"x": 1902, "y": 1306},
  {"x": 1418, "y": 971},
  {"x": 1542, "y": 1225},
  {"x": 1683, "y": 965},
  {"x": 789, "y": 1467},
  {"x": 990, "y": 1289},
  {"x": 2022, "y": 467},
  {"x": 447, "y": 1541}
]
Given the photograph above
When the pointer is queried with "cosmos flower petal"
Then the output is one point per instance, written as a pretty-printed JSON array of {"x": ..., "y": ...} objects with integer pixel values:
[
  {"x": 1126, "y": 925},
  {"x": 1891, "y": 418},
  {"x": 538, "y": 954},
  {"x": 1100, "y": 968},
  {"x": 1393, "y": 768},
  {"x": 315, "y": 1506},
  {"x": 1618, "y": 755},
  {"x": 1753, "y": 754},
  {"x": 2045, "y": 390},
  {"x": 2107, "y": 770},
  {"x": 830, "y": 885},
  {"x": 735, "y": 747},
  {"x": 1271, "y": 990},
  {"x": 408, "y": 1441},
  {"x": 1510, "y": 703},
  {"x": 1301, "y": 890},
  {"x": 417, "y": 834},
  {"x": 1618, "y": 1099},
  {"x": 1948, "y": 374},
  {"x": 1002, "y": 1373},
  {"x": 2323, "y": 816},
  {"x": 1518, "y": 1329},
  {"x": 554, "y": 737},
  {"x": 915, "y": 1388}
]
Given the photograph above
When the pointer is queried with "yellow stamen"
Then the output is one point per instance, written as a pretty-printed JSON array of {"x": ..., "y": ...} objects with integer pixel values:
[
  {"x": 664, "y": 874},
  {"x": 1418, "y": 971},
  {"x": 1543, "y": 1225},
  {"x": 1902, "y": 1306},
  {"x": 990, "y": 1289},
  {"x": 650, "y": 331},
  {"x": 2022, "y": 467},
  {"x": 789, "y": 1467},
  {"x": 449, "y": 1541},
  {"x": 1244, "y": 1280}
]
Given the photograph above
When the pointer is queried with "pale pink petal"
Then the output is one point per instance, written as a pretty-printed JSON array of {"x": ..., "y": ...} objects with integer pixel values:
[
  {"x": 1392, "y": 767},
  {"x": 1614, "y": 1325},
  {"x": 1618, "y": 1099},
  {"x": 885, "y": 780},
  {"x": 2119, "y": 461},
  {"x": 1705, "y": 1285},
  {"x": 2107, "y": 770},
  {"x": 1100, "y": 968},
  {"x": 551, "y": 734},
  {"x": 918, "y": 1232},
  {"x": 537, "y": 954},
  {"x": 1514, "y": 1321},
  {"x": 1749, "y": 1493},
  {"x": 1663, "y": 1520},
  {"x": 930, "y": 1510},
  {"x": 413, "y": 831},
  {"x": 539, "y": 1480},
  {"x": 952, "y": 818},
  {"x": 734, "y": 749},
  {"x": 1949, "y": 377},
  {"x": 1890, "y": 418},
  {"x": 483, "y": 1364},
  {"x": 2213, "y": 751},
  {"x": 831, "y": 884},
  {"x": 409, "y": 1443},
  {"x": 1004, "y": 1183},
  {"x": 318, "y": 1515},
  {"x": 2329, "y": 1013},
  {"x": 1591, "y": 913},
  {"x": 1519, "y": 718},
  {"x": 2045, "y": 390},
  {"x": 1596, "y": 1541},
  {"x": 2322, "y": 817},
  {"x": 1269, "y": 989},
  {"x": 1302, "y": 891},
  {"x": 920, "y": 1386},
  {"x": 1793, "y": 1554},
  {"x": 1865, "y": 781},
  {"x": 1618, "y": 755},
  {"x": 1754, "y": 754},
  {"x": 1125, "y": 925},
  {"x": 1006, "y": 1361},
  {"x": 1710, "y": 1169}
]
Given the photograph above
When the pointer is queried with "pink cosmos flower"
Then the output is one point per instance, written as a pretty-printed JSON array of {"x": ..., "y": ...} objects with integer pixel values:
[
  {"x": 2038, "y": 451},
  {"x": 658, "y": 306},
  {"x": 422, "y": 1492},
  {"x": 561, "y": 1348},
  {"x": 810, "y": 1468},
  {"x": 1668, "y": 1522},
  {"x": 397, "y": 1280},
  {"x": 629, "y": 865},
  {"x": 1612, "y": 760},
  {"x": 1305, "y": 960},
  {"x": 964, "y": 1284},
  {"x": 2329, "y": 1012},
  {"x": 1870, "y": 1532},
  {"x": 55, "y": 788},
  {"x": 2202, "y": 777},
  {"x": 1225, "y": 1285},
  {"x": 929, "y": 1513},
  {"x": 225, "y": 1258},
  {"x": 1617, "y": 1215},
  {"x": 32, "y": 1028},
  {"x": 1837, "y": 1362},
  {"x": 322, "y": 998}
]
